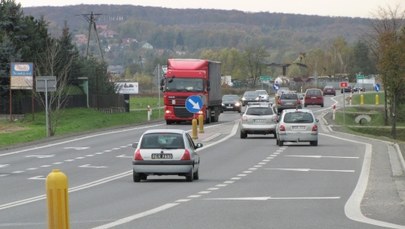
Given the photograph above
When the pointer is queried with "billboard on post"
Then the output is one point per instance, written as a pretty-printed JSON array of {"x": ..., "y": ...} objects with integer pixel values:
[
  {"x": 126, "y": 87},
  {"x": 21, "y": 76}
]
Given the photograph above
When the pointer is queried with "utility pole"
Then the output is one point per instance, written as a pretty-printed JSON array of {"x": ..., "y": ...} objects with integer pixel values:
[{"x": 91, "y": 18}]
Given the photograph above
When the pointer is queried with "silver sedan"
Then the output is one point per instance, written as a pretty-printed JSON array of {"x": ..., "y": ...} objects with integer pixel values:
[
  {"x": 297, "y": 125},
  {"x": 166, "y": 152}
]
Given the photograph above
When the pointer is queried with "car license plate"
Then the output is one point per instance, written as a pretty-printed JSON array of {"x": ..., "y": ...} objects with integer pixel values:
[
  {"x": 259, "y": 120},
  {"x": 298, "y": 127},
  {"x": 162, "y": 156},
  {"x": 229, "y": 107}
]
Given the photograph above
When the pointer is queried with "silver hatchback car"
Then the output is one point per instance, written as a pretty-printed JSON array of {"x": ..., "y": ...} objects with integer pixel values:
[
  {"x": 166, "y": 152},
  {"x": 297, "y": 125}
]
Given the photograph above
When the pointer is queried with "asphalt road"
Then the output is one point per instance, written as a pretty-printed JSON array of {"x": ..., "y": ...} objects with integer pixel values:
[{"x": 244, "y": 183}]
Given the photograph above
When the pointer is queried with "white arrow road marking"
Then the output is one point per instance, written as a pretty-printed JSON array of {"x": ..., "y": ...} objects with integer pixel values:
[
  {"x": 195, "y": 105},
  {"x": 92, "y": 166},
  {"x": 124, "y": 156},
  {"x": 37, "y": 178},
  {"x": 320, "y": 156},
  {"x": 73, "y": 189},
  {"x": 310, "y": 170},
  {"x": 4, "y": 165},
  {"x": 263, "y": 198},
  {"x": 41, "y": 156},
  {"x": 77, "y": 148}
]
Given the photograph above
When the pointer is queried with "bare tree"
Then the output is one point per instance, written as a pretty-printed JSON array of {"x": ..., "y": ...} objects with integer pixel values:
[{"x": 54, "y": 64}]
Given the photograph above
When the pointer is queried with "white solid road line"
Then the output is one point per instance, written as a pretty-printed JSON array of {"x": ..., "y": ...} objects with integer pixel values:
[{"x": 136, "y": 216}]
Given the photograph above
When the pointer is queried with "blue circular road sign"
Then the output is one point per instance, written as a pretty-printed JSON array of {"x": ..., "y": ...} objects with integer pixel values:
[
  {"x": 194, "y": 103},
  {"x": 377, "y": 87}
]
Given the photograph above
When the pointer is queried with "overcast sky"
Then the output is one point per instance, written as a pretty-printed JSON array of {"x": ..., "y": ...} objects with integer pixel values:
[{"x": 347, "y": 8}]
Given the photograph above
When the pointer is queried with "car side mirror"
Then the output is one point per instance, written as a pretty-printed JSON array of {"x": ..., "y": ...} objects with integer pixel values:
[
  {"x": 135, "y": 145},
  {"x": 317, "y": 120},
  {"x": 198, "y": 145}
]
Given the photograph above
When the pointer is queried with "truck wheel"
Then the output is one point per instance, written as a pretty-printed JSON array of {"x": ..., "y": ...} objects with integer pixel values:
[
  {"x": 208, "y": 116},
  {"x": 168, "y": 122}
]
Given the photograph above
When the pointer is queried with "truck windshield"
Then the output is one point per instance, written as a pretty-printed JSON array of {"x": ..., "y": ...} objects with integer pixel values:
[{"x": 184, "y": 84}]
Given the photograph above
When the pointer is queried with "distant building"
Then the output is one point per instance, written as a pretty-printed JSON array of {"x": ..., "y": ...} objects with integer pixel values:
[{"x": 80, "y": 39}]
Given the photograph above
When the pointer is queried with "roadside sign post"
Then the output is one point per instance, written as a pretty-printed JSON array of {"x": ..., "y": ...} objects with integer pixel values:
[
  {"x": 343, "y": 85},
  {"x": 194, "y": 104},
  {"x": 45, "y": 84}
]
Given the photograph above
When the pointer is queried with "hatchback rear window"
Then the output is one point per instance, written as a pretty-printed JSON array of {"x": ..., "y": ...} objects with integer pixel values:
[
  {"x": 298, "y": 117},
  {"x": 162, "y": 141},
  {"x": 289, "y": 96},
  {"x": 314, "y": 92},
  {"x": 259, "y": 111}
]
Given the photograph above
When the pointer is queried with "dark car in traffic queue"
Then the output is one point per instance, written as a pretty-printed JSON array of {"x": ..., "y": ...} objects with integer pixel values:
[
  {"x": 231, "y": 102},
  {"x": 289, "y": 100},
  {"x": 347, "y": 89},
  {"x": 329, "y": 90},
  {"x": 250, "y": 96}
]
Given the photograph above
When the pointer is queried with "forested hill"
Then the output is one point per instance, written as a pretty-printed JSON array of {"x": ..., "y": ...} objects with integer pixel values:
[{"x": 201, "y": 28}]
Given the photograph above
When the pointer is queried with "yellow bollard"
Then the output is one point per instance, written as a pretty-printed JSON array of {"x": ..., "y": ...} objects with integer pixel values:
[
  {"x": 361, "y": 99},
  {"x": 201, "y": 123},
  {"x": 194, "y": 129},
  {"x": 57, "y": 200},
  {"x": 377, "y": 99}
]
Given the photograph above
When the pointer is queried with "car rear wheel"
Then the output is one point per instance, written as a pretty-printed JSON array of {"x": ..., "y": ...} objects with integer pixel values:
[
  {"x": 314, "y": 143},
  {"x": 196, "y": 175},
  {"x": 280, "y": 143},
  {"x": 243, "y": 134},
  {"x": 190, "y": 176},
  {"x": 136, "y": 176}
]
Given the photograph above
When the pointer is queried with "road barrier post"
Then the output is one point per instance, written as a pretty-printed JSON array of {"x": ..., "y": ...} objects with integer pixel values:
[
  {"x": 57, "y": 200},
  {"x": 333, "y": 112},
  {"x": 149, "y": 109},
  {"x": 201, "y": 123},
  {"x": 377, "y": 99},
  {"x": 361, "y": 99},
  {"x": 194, "y": 134}
]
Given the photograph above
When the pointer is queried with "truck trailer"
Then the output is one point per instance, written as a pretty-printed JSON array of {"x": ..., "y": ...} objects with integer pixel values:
[{"x": 191, "y": 77}]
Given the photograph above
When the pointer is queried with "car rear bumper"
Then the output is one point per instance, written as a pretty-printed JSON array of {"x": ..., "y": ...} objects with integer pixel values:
[
  {"x": 258, "y": 129},
  {"x": 298, "y": 137},
  {"x": 163, "y": 167}
]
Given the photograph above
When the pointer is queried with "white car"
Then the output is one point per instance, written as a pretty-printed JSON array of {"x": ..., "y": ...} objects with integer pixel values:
[
  {"x": 166, "y": 152},
  {"x": 258, "y": 118},
  {"x": 264, "y": 96},
  {"x": 297, "y": 125}
]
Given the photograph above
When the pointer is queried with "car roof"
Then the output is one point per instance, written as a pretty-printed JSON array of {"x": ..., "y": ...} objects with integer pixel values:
[
  {"x": 164, "y": 131},
  {"x": 314, "y": 89},
  {"x": 259, "y": 104},
  {"x": 297, "y": 110},
  {"x": 230, "y": 95}
]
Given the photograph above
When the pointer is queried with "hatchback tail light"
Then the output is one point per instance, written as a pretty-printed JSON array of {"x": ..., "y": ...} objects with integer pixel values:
[
  {"x": 186, "y": 156},
  {"x": 138, "y": 156},
  {"x": 281, "y": 128},
  {"x": 315, "y": 128}
]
